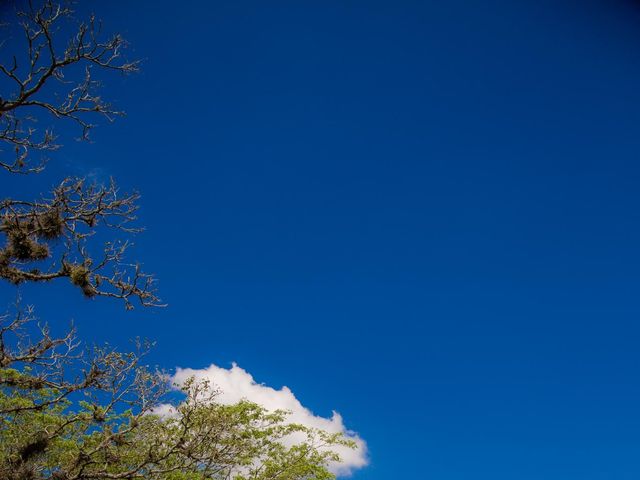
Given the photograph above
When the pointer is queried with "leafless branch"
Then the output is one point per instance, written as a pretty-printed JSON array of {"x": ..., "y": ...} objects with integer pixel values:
[
  {"x": 48, "y": 239},
  {"x": 40, "y": 87}
]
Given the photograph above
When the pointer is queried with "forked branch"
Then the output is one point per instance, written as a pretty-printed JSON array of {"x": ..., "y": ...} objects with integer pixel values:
[{"x": 41, "y": 90}]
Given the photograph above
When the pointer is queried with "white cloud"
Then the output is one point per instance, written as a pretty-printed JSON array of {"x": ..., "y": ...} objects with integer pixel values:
[{"x": 236, "y": 384}]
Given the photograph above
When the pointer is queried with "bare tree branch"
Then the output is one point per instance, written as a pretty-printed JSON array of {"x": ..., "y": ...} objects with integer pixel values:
[
  {"x": 40, "y": 87},
  {"x": 49, "y": 239}
]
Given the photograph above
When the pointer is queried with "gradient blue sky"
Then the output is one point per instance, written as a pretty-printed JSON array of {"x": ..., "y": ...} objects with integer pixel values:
[{"x": 424, "y": 215}]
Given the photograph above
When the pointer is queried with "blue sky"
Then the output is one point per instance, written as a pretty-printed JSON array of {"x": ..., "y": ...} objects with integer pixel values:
[{"x": 424, "y": 215}]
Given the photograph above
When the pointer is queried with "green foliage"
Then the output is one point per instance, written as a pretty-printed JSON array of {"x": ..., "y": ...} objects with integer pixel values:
[
  {"x": 47, "y": 434},
  {"x": 70, "y": 414}
]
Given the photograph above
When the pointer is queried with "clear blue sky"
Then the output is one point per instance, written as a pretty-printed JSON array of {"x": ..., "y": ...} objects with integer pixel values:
[{"x": 425, "y": 215}]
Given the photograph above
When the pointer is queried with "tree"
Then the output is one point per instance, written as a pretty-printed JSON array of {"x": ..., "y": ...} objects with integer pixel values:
[
  {"x": 55, "y": 79},
  {"x": 68, "y": 413}
]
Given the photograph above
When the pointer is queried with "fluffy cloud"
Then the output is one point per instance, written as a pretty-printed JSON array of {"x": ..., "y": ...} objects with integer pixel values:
[{"x": 236, "y": 384}]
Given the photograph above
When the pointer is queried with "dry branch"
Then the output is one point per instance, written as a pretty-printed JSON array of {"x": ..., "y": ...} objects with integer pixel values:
[{"x": 41, "y": 90}]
